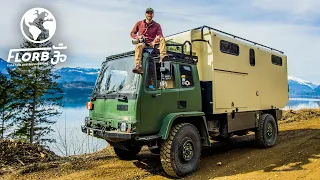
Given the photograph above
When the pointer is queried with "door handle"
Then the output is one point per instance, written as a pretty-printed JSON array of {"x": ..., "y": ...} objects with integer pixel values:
[{"x": 156, "y": 95}]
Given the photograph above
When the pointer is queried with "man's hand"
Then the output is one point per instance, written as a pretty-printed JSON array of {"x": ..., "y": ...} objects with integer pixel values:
[{"x": 157, "y": 40}]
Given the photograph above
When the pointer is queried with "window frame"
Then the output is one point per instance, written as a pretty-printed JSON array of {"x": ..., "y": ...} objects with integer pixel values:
[
  {"x": 183, "y": 86},
  {"x": 274, "y": 59},
  {"x": 147, "y": 76},
  {"x": 156, "y": 81},
  {"x": 231, "y": 44},
  {"x": 252, "y": 56}
]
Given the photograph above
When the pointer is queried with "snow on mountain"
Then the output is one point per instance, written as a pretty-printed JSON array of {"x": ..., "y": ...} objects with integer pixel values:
[
  {"x": 303, "y": 82},
  {"x": 68, "y": 74},
  {"x": 79, "y": 70}
]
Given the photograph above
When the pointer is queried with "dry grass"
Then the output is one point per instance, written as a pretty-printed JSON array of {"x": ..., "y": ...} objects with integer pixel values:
[{"x": 300, "y": 115}]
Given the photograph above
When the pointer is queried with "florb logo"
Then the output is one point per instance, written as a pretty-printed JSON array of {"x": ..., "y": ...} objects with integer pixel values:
[{"x": 38, "y": 25}]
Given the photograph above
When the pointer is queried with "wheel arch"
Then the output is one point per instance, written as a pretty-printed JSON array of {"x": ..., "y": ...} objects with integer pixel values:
[
  {"x": 276, "y": 113},
  {"x": 196, "y": 118}
]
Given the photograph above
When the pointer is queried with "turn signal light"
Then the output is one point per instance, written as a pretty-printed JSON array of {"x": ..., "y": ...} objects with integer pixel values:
[{"x": 89, "y": 105}]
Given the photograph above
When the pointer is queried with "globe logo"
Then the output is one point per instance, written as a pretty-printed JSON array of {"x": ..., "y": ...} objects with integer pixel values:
[{"x": 38, "y": 25}]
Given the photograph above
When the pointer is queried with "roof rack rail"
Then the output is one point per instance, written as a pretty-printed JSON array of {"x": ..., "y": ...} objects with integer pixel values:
[
  {"x": 117, "y": 56},
  {"x": 176, "y": 56},
  {"x": 234, "y": 36}
]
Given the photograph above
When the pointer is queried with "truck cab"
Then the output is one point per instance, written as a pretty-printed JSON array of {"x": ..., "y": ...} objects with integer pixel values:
[{"x": 126, "y": 106}]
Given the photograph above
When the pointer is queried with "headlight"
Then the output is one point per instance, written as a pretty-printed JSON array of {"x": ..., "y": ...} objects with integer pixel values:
[{"x": 123, "y": 127}]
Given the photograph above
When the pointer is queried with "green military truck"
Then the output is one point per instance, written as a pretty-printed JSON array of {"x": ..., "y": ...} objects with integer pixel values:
[{"x": 213, "y": 86}]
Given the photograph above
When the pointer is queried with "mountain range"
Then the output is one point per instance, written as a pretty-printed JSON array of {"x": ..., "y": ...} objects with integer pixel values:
[
  {"x": 3, "y": 66},
  {"x": 81, "y": 80},
  {"x": 302, "y": 88}
]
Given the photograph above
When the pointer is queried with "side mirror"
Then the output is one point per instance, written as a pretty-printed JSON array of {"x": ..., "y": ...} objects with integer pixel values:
[{"x": 166, "y": 70}]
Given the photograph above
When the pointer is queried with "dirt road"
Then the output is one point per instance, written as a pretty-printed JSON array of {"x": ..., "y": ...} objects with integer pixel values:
[{"x": 296, "y": 156}]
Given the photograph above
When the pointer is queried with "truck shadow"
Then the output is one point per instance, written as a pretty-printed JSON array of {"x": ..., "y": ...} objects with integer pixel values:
[{"x": 294, "y": 150}]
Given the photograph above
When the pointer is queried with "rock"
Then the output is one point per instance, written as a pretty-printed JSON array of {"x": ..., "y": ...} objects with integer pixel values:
[{"x": 219, "y": 163}]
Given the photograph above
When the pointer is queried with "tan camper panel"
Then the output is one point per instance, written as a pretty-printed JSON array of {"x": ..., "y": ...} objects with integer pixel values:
[{"x": 244, "y": 76}]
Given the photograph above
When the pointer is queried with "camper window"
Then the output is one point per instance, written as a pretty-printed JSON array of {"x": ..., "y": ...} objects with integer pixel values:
[
  {"x": 229, "y": 48},
  {"x": 252, "y": 57},
  {"x": 276, "y": 60}
]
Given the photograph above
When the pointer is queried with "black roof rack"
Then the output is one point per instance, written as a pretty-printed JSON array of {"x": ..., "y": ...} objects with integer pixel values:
[
  {"x": 234, "y": 36},
  {"x": 117, "y": 56},
  {"x": 175, "y": 56}
]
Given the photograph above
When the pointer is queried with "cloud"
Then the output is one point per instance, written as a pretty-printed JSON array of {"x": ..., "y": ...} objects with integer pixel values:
[
  {"x": 298, "y": 7},
  {"x": 93, "y": 30}
]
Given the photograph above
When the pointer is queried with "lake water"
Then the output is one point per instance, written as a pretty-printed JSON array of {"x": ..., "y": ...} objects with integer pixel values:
[
  {"x": 70, "y": 139},
  {"x": 302, "y": 103}
]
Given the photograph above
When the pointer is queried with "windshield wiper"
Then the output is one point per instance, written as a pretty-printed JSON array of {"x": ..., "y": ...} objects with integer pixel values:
[
  {"x": 120, "y": 96},
  {"x": 94, "y": 97},
  {"x": 109, "y": 92}
]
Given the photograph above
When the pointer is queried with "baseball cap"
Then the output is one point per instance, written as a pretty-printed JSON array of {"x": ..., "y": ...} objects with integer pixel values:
[{"x": 149, "y": 9}]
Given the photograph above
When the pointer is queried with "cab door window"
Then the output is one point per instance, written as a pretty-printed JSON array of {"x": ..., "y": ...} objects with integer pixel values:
[
  {"x": 169, "y": 83},
  {"x": 186, "y": 76},
  {"x": 153, "y": 80}
]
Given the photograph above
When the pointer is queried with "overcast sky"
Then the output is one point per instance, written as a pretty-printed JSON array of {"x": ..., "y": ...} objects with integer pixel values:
[{"x": 93, "y": 30}]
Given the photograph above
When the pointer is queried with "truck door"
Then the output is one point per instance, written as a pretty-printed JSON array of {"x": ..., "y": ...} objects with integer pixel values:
[
  {"x": 156, "y": 103},
  {"x": 189, "y": 88}
]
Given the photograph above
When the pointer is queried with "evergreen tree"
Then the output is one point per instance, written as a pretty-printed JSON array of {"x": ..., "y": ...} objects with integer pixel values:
[
  {"x": 38, "y": 96},
  {"x": 6, "y": 113}
]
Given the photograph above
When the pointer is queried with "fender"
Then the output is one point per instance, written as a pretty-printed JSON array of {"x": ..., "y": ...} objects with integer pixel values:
[{"x": 201, "y": 125}]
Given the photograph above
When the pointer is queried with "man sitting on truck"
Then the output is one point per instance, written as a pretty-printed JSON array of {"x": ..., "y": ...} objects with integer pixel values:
[{"x": 151, "y": 32}]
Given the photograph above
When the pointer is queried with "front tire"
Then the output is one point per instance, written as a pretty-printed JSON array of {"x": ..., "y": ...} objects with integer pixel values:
[
  {"x": 266, "y": 135},
  {"x": 180, "y": 153},
  {"x": 128, "y": 153}
]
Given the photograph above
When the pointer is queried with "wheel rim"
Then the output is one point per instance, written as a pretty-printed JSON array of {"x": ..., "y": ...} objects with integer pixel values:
[
  {"x": 269, "y": 131},
  {"x": 187, "y": 151}
]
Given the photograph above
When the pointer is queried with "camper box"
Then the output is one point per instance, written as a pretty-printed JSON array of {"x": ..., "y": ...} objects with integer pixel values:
[{"x": 236, "y": 73}]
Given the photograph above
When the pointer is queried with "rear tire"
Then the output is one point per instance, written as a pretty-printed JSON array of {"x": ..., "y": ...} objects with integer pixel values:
[
  {"x": 128, "y": 154},
  {"x": 180, "y": 153},
  {"x": 266, "y": 134}
]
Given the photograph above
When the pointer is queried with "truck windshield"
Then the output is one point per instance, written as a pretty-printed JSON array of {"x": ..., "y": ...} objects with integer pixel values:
[{"x": 116, "y": 76}]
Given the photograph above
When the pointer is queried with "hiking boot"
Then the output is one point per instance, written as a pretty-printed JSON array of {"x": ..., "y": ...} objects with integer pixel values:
[{"x": 137, "y": 70}]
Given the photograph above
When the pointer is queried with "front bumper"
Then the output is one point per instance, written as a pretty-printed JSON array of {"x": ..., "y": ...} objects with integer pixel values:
[{"x": 111, "y": 136}]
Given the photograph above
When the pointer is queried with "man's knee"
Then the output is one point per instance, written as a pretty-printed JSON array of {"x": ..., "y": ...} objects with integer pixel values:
[
  {"x": 162, "y": 42},
  {"x": 140, "y": 46}
]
